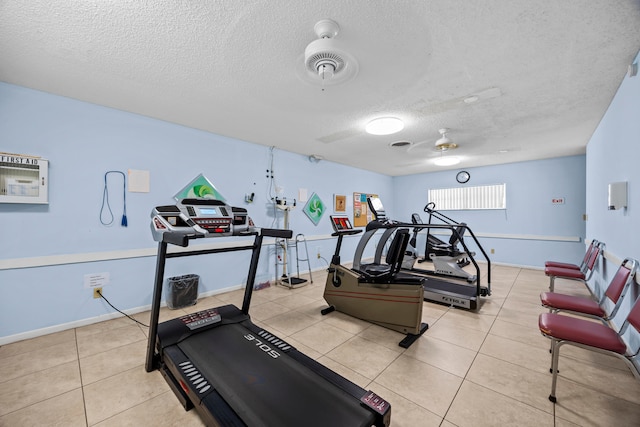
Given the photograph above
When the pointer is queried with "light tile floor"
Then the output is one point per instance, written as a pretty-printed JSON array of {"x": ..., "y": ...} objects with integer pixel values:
[{"x": 484, "y": 368}]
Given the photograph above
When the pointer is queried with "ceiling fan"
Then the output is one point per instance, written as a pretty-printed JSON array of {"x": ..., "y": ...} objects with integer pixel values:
[{"x": 444, "y": 143}]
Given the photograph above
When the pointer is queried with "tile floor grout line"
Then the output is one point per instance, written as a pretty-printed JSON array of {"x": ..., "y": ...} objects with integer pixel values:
[
  {"x": 84, "y": 402},
  {"x": 138, "y": 404},
  {"x": 552, "y": 413},
  {"x": 29, "y": 351},
  {"x": 477, "y": 353},
  {"x": 77, "y": 359}
]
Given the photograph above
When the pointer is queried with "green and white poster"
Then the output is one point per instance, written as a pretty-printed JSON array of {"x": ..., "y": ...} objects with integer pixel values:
[
  {"x": 199, "y": 188},
  {"x": 314, "y": 208}
]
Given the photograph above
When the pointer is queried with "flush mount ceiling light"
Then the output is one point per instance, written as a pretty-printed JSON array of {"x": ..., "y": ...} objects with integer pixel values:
[
  {"x": 445, "y": 143},
  {"x": 384, "y": 126},
  {"x": 326, "y": 62},
  {"x": 446, "y": 161}
]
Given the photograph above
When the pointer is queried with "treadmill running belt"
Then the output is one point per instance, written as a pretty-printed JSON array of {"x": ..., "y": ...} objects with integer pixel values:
[{"x": 265, "y": 386}]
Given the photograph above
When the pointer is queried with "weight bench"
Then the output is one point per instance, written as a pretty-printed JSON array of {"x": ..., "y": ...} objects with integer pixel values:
[
  {"x": 557, "y": 264},
  {"x": 591, "y": 336},
  {"x": 568, "y": 273}
]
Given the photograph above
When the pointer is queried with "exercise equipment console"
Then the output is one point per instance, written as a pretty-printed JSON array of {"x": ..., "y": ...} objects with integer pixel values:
[{"x": 233, "y": 372}]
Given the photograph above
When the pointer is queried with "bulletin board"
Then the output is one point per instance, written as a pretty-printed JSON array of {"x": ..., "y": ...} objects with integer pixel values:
[{"x": 361, "y": 213}]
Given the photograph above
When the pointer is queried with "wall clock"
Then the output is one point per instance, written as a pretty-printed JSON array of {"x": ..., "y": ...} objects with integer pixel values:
[{"x": 462, "y": 177}]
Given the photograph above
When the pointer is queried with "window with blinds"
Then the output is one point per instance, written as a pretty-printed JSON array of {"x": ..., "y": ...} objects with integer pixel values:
[{"x": 468, "y": 198}]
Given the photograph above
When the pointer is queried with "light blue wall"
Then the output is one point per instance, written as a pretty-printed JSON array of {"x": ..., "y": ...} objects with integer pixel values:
[
  {"x": 612, "y": 155},
  {"x": 82, "y": 141},
  {"x": 533, "y": 225}
]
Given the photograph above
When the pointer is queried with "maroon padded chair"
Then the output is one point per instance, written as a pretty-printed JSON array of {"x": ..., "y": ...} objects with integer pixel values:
[
  {"x": 590, "y": 335},
  {"x": 614, "y": 293},
  {"x": 580, "y": 275},
  {"x": 557, "y": 264}
]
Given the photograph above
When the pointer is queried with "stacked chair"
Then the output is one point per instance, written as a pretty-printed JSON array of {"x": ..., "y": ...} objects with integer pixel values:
[
  {"x": 558, "y": 264},
  {"x": 589, "y": 307},
  {"x": 580, "y": 330},
  {"x": 559, "y": 270}
]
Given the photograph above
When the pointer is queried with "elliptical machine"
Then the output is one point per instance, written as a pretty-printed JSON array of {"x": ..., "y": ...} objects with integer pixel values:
[
  {"x": 447, "y": 258},
  {"x": 435, "y": 289}
]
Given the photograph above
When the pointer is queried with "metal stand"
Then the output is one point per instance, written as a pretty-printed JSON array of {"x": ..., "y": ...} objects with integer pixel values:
[
  {"x": 283, "y": 245},
  {"x": 301, "y": 239},
  {"x": 287, "y": 279}
]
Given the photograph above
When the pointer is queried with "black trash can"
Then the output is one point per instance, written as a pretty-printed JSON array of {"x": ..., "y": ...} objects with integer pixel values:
[{"x": 182, "y": 291}]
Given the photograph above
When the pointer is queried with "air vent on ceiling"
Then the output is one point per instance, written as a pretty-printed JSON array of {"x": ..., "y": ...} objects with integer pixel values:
[{"x": 399, "y": 144}]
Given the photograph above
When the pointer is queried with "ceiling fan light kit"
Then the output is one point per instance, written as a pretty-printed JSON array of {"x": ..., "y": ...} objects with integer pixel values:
[
  {"x": 446, "y": 161},
  {"x": 445, "y": 143},
  {"x": 325, "y": 60}
]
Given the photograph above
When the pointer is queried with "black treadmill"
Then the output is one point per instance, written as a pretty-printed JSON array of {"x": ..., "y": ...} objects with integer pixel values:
[{"x": 237, "y": 374}]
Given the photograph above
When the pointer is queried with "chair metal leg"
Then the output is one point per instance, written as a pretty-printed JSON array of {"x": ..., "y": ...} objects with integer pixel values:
[
  {"x": 555, "y": 351},
  {"x": 551, "y": 284},
  {"x": 551, "y": 350}
]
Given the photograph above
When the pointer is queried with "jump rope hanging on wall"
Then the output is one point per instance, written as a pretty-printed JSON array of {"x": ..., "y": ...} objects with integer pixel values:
[{"x": 105, "y": 200}]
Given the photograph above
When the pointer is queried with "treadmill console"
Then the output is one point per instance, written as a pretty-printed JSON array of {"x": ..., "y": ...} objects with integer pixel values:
[
  {"x": 201, "y": 318},
  {"x": 199, "y": 218}
]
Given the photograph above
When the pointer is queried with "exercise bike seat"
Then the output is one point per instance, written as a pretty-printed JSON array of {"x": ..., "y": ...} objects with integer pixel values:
[{"x": 382, "y": 273}]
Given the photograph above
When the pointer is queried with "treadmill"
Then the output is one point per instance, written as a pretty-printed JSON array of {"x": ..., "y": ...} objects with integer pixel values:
[
  {"x": 435, "y": 289},
  {"x": 231, "y": 371}
]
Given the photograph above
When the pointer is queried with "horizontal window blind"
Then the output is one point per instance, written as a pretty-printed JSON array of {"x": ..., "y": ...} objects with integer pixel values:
[{"x": 463, "y": 198}]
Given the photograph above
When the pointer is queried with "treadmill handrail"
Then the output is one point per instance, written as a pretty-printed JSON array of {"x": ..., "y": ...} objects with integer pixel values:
[
  {"x": 276, "y": 232},
  {"x": 152, "y": 359}
]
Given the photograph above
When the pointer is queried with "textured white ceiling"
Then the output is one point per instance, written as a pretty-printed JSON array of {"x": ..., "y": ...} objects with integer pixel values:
[{"x": 544, "y": 70}]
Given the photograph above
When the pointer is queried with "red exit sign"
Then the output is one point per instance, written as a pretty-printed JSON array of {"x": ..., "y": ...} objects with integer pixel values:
[{"x": 557, "y": 201}]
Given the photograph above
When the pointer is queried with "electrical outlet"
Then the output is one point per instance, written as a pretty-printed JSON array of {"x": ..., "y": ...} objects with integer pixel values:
[
  {"x": 96, "y": 292},
  {"x": 493, "y": 251},
  {"x": 318, "y": 252}
]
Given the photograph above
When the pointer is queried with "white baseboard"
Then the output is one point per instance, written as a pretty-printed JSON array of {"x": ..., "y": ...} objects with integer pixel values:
[{"x": 91, "y": 320}]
